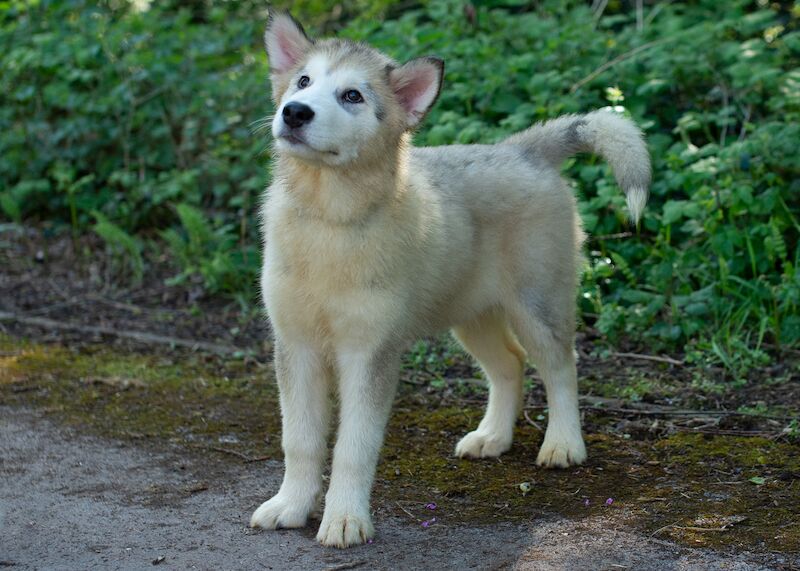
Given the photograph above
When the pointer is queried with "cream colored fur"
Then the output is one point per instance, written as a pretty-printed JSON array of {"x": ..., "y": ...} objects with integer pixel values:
[{"x": 363, "y": 256}]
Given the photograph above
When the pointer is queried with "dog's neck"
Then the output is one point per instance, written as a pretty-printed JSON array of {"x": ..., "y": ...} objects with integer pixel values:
[{"x": 344, "y": 195}]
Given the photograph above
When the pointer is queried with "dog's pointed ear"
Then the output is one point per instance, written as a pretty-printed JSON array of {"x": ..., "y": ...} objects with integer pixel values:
[
  {"x": 417, "y": 84},
  {"x": 286, "y": 42}
]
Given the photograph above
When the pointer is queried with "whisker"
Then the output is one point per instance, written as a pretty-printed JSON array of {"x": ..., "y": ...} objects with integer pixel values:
[
  {"x": 261, "y": 124},
  {"x": 265, "y": 119},
  {"x": 260, "y": 129}
]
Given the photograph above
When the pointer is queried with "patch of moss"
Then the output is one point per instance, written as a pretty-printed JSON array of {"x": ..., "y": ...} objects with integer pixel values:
[
  {"x": 128, "y": 395},
  {"x": 689, "y": 487},
  {"x": 692, "y": 488}
]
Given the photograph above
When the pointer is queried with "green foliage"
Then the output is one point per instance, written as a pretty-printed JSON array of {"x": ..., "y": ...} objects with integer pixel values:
[
  {"x": 433, "y": 357},
  {"x": 211, "y": 253},
  {"x": 131, "y": 112},
  {"x": 11, "y": 207},
  {"x": 714, "y": 264},
  {"x": 153, "y": 106},
  {"x": 127, "y": 248}
]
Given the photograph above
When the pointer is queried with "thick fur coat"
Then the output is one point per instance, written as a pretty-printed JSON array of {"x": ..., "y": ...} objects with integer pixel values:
[{"x": 370, "y": 243}]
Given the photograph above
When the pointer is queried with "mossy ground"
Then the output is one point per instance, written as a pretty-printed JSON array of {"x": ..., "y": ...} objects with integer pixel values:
[{"x": 697, "y": 489}]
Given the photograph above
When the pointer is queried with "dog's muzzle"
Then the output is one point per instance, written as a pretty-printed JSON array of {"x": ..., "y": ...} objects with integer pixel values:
[{"x": 297, "y": 114}]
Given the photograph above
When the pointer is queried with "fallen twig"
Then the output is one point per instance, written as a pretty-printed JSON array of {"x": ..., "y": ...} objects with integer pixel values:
[
  {"x": 140, "y": 336},
  {"x": 667, "y": 412},
  {"x": 660, "y": 529},
  {"x": 615, "y": 61},
  {"x": 721, "y": 413},
  {"x": 412, "y": 516},
  {"x": 197, "y": 488},
  {"x": 655, "y": 358},
  {"x": 247, "y": 459},
  {"x": 721, "y": 432},
  {"x": 344, "y": 566},
  {"x": 536, "y": 425},
  {"x": 616, "y": 236},
  {"x": 692, "y": 528}
]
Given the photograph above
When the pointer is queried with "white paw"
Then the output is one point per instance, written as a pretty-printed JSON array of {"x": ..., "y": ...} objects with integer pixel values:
[
  {"x": 344, "y": 530},
  {"x": 479, "y": 444},
  {"x": 280, "y": 512},
  {"x": 561, "y": 452}
]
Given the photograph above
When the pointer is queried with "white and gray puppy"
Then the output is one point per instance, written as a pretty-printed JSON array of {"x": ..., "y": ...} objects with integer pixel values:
[{"x": 371, "y": 243}]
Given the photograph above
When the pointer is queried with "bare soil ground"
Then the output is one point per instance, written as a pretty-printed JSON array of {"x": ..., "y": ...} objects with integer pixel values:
[{"x": 72, "y": 501}]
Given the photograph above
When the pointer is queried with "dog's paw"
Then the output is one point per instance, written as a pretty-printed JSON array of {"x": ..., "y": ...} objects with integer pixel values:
[
  {"x": 280, "y": 512},
  {"x": 479, "y": 444},
  {"x": 344, "y": 530},
  {"x": 561, "y": 453}
]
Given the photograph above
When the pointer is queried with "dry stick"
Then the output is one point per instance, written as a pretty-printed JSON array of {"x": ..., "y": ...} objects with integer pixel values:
[
  {"x": 412, "y": 516},
  {"x": 615, "y": 61},
  {"x": 247, "y": 459},
  {"x": 531, "y": 422},
  {"x": 639, "y": 15},
  {"x": 598, "y": 8},
  {"x": 344, "y": 566},
  {"x": 692, "y": 528},
  {"x": 655, "y": 358},
  {"x": 129, "y": 306},
  {"x": 642, "y": 412},
  {"x": 654, "y": 12},
  {"x": 49, "y": 308},
  {"x": 660, "y": 529},
  {"x": 610, "y": 237},
  {"x": 723, "y": 432},
  {"x": 687, "y": 413},
  {"x": 140, "y": 336}
]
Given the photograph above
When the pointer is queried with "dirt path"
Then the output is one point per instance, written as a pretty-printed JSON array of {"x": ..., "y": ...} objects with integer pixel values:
[{"x": 72, "y": 501}]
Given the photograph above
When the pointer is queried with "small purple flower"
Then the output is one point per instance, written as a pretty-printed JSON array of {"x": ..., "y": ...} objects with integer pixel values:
[
  {"x": 431, "y": 506},
  {"x": 429, "y": 522},
  {"x": 586, "y": 502},
  {"x": 609, "y": 501},
  {"x": 369, "y": 541}
]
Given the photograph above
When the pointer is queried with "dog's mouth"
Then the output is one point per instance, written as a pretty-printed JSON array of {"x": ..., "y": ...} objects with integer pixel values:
[{"x": 296, "y": 140}]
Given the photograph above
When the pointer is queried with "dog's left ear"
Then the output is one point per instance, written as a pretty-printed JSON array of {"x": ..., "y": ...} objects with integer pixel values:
[
  {"x": 417, "y": 84},
  {"x": 286, "y": 42}
]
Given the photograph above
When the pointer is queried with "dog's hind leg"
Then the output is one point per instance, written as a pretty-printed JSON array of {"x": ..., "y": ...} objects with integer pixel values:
[
  {"x": 494, "y": 346},
  {"x": 304, "y": 384},
  {"x": 549, "y": 339}
]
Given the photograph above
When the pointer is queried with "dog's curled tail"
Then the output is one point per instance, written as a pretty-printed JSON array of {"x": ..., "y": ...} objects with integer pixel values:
[{"x": 614, "y": 137}]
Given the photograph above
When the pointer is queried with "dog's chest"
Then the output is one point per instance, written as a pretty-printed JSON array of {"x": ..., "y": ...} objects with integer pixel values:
[{"x": 328, "y": 281}]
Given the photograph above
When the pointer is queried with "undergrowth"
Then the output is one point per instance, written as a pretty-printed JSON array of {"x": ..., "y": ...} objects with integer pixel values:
[{"x": 137, "y": 124}]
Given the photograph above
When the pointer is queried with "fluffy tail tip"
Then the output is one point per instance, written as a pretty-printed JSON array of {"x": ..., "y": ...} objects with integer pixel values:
[{"x": 637, "y": 198}]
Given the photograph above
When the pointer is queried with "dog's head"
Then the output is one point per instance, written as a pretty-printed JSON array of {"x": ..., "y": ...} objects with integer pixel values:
[{"x": 338, "y": 100}]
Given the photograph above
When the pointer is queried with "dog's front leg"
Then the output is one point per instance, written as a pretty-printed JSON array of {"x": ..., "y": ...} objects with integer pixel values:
[
  {"x": 367, "y": 384},
  {"x": 304, "y": 384}
]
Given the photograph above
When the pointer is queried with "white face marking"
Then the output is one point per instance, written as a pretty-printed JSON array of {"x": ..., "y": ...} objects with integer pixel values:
[{"x": 338, "y": 130}]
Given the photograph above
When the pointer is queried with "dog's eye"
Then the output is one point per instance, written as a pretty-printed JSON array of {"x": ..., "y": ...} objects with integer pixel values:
[
  {"x": 352, "y": 96},
  {"x": 303, "y": 82}
]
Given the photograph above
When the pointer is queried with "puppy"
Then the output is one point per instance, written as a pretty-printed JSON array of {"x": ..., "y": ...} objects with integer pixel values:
[{"x": 370, "y": 243}]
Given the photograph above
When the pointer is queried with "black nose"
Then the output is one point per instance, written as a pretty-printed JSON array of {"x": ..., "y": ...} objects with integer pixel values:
[{"x": 297, "y": 114}]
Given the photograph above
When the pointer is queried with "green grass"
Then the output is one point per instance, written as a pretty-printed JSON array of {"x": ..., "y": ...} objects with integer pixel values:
[{"x": 146, "y": 119}]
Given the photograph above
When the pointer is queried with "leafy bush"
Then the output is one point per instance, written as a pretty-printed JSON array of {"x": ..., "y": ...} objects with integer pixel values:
[
  {"x": 126, "y": 249},
  {"x": 131, "y": 113},
  {"x": 211, "y": 253},
  {"x": 717, "y": 90}
]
